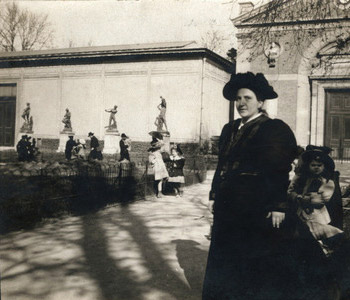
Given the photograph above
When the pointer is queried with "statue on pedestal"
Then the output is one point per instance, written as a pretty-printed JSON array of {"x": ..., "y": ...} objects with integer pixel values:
[
  {"x": 67, "y": 121},
  {"x": 161, "y": 119},
  {"x": 112, "y": 124},
  {"x": 28, "y": 120}
]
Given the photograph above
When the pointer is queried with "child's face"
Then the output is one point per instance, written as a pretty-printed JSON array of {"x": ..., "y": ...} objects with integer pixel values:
[
  {"x": 316, "y": 167},
  {"x": 173, "y": 152}
]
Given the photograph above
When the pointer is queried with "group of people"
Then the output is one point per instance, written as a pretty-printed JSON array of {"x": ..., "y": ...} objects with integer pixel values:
[
  {"x": 167, "y": 169},
  {"x": 271, "y": 238},
  {"x": 76, "y": 149},
  {"x": 26, "y": 148}
]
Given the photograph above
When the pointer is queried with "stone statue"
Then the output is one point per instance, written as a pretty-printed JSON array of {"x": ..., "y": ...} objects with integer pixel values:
[
  {"x": 26, "y": 113},
  {"x": 30, "y": 124},
  {"x": 67, "y": 121},
  {"x": 159, "y": 124},
  {"x": 28, "y": 120},
  {"x": 112, "y": 124},
  {"x": 161, "y": 119}
]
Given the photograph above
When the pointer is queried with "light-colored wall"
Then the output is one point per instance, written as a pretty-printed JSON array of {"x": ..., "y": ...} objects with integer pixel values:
[
  {"x": 291, "y": 84},
  {"x": 87, "y": 90},
  {"x": 216, "y": 108},
  {"x": 43, "y": 97}
]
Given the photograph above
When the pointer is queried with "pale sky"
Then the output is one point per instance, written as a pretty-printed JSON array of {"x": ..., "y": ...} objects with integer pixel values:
[{"x": 142, "y": 21}]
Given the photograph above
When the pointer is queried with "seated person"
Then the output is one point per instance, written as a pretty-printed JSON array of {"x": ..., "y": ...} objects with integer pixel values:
[
  {"x": 78, "y": 151},
  {"x": 310, "y": 191}
]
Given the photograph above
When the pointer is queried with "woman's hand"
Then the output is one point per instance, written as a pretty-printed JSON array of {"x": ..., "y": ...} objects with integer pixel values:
[
  {"x": 316, "y": 198},
  {"x": 211, "y": 206},
  {"x": 277, "y": 218}
]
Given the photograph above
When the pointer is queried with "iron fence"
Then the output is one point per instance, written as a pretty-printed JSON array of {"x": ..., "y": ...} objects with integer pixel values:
[
  {"x": 340, "y": 154},
  {"x": 50, "y": 192}
]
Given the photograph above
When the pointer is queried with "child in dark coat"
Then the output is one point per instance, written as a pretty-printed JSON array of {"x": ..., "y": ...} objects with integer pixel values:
[
  {"x": 311, "y": 190},
  {"x": 175, "y": 169}
]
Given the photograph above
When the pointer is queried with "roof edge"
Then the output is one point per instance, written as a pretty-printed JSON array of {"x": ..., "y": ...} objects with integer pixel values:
[
  {"x": 95, "y": 49},
  {"x": 102, "y": 55}
]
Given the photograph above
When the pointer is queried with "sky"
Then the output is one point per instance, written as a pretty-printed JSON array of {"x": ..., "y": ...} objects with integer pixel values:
[
  {"x": 97, "y": 23},
  {"x": 119, "y": 22}
]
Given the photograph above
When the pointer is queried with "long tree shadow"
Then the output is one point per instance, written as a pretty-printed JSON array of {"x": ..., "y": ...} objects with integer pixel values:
[
  {"x": 163, "y": 277},
  {"x": 32, "y": 260},
  {"x": 102, "y": 267},
  {"x": 193, "y": 261},
  {"x": 36, "y": 257}
]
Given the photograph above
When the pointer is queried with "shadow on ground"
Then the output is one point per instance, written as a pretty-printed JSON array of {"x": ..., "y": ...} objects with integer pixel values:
[
  {"x": 137, "y": 251},
  {"x": 193, "y": 261}
]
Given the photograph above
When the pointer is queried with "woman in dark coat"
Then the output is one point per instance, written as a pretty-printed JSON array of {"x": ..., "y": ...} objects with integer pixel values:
[
  {"x": 124, "y": 148},
  {"x": 249, "y": 256}
]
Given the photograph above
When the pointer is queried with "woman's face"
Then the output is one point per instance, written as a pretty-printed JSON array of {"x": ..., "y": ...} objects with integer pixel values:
[
  {"x": 247, "y": 103},
  {"x": 173, "y": 152},
  {"x": 316, "y": 167}
]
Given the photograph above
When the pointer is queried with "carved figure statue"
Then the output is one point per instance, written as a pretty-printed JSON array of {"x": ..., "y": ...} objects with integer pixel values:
[
  {"x": 161, "y": 119},
  {"x": 159, "y": 123},
  {"x": 28, "y": 120},
  {"x": 26, "y": 113},
  {"x": 30, "y": 124},
  {"x": 112, "y": 124},
  {"x": 67, "y": 121}
]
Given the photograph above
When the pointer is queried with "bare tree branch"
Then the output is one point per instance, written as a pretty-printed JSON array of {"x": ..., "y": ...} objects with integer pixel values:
[
  {"x": 301, "y": 20},
  {"x": 23, "y": 30}
]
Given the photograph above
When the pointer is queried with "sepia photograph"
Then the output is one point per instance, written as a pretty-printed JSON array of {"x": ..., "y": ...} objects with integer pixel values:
[{"x": 175, "y": 149}]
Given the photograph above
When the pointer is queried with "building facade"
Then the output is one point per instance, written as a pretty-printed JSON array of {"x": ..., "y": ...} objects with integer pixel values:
[
  {"x": 89, "y": 80},
  {"x": 309, "y": 71}
]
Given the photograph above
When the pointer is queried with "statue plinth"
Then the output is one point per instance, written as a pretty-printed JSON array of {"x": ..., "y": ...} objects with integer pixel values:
[
  {"x": 67, "y": 130},
  {"x": 166, "y": 140},
  {"x": 111, "y": 141},
  {"x": 26, "y": 128},
  {"x": 112, "y": 129},
  {"x": 64, "y": 134}
]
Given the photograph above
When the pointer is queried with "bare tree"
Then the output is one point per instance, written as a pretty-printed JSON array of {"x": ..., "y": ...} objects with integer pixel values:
[
  {"x": 215, "y": 38},
  {"x": 23, "y": 30}
]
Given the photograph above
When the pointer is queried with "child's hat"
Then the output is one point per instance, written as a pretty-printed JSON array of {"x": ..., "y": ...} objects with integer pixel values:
[{"x": 319, "y": 153}]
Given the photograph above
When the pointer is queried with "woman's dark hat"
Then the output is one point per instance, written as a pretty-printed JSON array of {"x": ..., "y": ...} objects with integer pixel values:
[
  {"x": 90, "y": 134},
  {"x": 123, "y": 135},
  {"x": 256, "y": 83},
  {"x": 324, "y": 149},
  {"x": 319, "y": 154},
  {"x": 178, "y": 149},
  {"x": 156, "y": 135}
]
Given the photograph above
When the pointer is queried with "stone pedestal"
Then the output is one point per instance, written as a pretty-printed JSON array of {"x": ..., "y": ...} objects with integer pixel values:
[
  {"x": 111, "y": 142},
  {"x": 28, "y": 133},
  {"x": 64, "y": 137},
  {"x": 166, "y": 140},
  {"x": 27, "y": 128}
]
